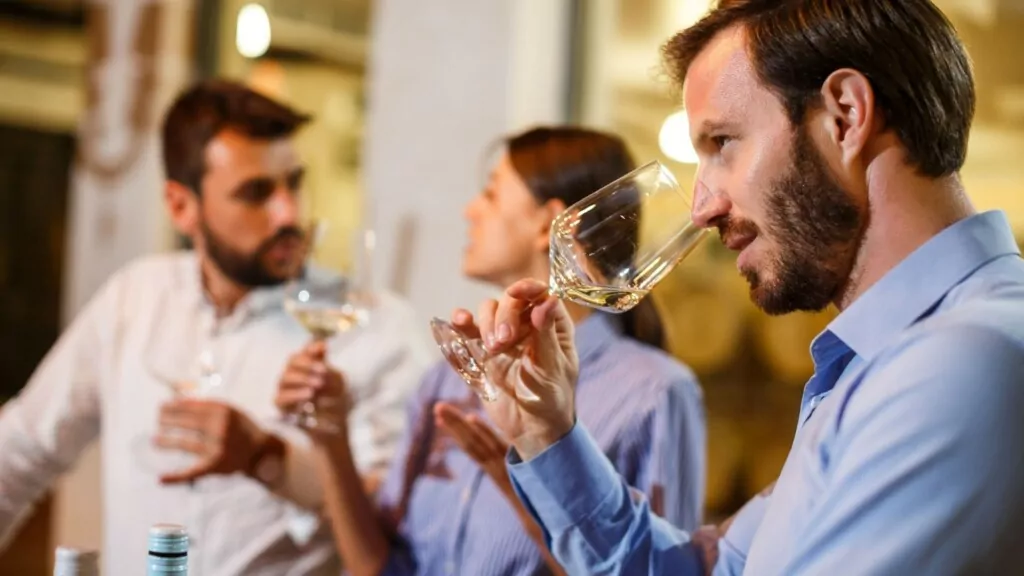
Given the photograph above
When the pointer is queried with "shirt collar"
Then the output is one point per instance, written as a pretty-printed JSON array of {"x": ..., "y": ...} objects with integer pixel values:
[
  {"x": 917, "y": 284},
  {"x": 594, "y": 334},
  {"x": 258, "y": 301}
]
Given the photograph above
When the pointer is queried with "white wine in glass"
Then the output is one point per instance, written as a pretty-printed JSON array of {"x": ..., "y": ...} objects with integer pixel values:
[
  {"x": 323, "y": 318},
  {"x": 325, "y": 304},
  {"x": 607, "y": 252}
]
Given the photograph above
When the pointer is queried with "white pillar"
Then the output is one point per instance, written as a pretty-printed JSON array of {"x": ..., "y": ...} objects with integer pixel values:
[
  {"x": 138, "y": 63},
  {"x": 446, "y": 79}
]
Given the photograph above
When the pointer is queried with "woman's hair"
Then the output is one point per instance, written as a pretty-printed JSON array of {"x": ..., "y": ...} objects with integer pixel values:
[{"x": 568, "y": 164}]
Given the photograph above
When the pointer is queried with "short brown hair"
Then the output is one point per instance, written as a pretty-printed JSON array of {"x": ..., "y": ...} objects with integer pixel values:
[
  {"x": 206, "y": 109},
  {"x": 907, "y": 49}
]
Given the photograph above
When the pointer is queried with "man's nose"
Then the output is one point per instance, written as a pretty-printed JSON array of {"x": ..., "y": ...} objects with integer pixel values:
[
  {"x": 284, "y": 208},
  {"x": 708, "y": 205}
]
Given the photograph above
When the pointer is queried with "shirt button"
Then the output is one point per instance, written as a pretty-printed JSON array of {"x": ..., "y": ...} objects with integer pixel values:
[
  {"x": 449, "y": 567},
  {"x": 465, "y": 495}
]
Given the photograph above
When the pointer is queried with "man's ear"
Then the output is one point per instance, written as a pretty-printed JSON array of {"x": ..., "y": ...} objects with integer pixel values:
[
  {"x": 182, "y": 207},
  {"x": 849, "y": 104}
]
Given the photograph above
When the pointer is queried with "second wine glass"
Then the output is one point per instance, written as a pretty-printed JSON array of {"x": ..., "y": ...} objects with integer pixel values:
[
  {"x": 325, "y": 303},
  {"x": 606, "y": 252},
  {"x": 197, "y": 377}
]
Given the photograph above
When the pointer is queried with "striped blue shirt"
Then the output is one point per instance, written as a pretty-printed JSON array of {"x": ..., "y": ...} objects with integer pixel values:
[{"x": 644, "y": 409}]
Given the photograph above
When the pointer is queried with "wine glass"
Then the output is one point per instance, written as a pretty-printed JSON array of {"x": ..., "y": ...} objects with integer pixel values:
[
  {"x": 607, "y": 251},
  {"x": 325, "y": 304},
  {"x": 197, "y": 378}
]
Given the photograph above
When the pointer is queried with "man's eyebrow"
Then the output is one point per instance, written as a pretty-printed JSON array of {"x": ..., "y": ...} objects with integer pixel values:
[
  {"x": 248, "y": 183},
  {"x": 709, "y": 127}
]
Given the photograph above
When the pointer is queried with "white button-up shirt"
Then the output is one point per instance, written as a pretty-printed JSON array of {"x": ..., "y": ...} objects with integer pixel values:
[{"x": 97, "y": 381}]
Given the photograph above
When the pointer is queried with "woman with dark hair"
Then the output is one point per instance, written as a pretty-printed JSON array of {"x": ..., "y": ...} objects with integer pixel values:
[{"x": 447, "y": 506}]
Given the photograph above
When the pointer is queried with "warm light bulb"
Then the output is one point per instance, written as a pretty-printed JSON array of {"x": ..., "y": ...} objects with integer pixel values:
[
  {"x": 674, "y": 139},
  {"x": 252, "y": 33}
]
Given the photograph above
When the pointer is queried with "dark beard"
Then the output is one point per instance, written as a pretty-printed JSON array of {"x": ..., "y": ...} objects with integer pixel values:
[
  {"x": 245, "y": 269},
  {"x": 817, "y": 228}
]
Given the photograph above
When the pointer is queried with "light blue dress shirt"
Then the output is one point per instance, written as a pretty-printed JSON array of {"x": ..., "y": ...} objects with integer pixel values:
[
  {"x": 644, "y": 409},
  {"x": 907, "y": 458}
]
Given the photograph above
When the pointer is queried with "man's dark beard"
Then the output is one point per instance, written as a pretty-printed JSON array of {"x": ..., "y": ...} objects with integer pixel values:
[
  {"x": 816, "y": 226},
  {"x": 245, "y": 269}
]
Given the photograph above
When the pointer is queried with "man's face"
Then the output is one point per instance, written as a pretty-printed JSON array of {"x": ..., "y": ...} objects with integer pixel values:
[
  {"x": 249, "y": 209},
  {"x": 767, "y": 185}
]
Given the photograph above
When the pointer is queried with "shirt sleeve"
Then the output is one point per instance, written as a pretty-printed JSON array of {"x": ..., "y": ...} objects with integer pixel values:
[
  {"x": 734, "y": 545},
  {"x": 592, "y": 521},
  {"x": 46, "y": 427},
  {"x": 927, "y": 475}
]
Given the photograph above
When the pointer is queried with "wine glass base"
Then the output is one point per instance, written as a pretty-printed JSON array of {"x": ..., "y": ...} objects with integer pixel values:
[{"x": 467, "y": 356}]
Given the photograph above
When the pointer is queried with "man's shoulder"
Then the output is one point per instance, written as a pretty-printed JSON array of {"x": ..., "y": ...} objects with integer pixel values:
[
  {"x": 395, "y": 325},
  {"x": 997, "y": 309},
  {"x": 145, "y": 278},
  {"x": 393, "y": 314},
  {"x": 393, "y": 304},
  {"x": 157, "y": 269},
  {"x": 987, "y": 306},
  {"x": 967, "y": 358}
]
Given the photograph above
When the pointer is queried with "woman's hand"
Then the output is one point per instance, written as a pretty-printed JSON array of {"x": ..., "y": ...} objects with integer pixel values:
[{"x": 477, "y": 439}]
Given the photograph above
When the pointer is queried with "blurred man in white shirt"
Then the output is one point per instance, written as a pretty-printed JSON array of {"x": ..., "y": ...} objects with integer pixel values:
[{"x": 249, "y": 500}]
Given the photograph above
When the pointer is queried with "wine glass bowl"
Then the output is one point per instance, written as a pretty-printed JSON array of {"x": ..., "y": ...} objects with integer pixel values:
[
  {"x": 196, "y": 378},
  {"x": 611, "y": 248},
  {"x": 606, "y": 252},
  {"x": 325, "y": 305}
]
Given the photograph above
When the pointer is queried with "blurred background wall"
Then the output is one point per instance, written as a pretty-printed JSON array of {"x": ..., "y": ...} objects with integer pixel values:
[{"x": 407, "y": 96}]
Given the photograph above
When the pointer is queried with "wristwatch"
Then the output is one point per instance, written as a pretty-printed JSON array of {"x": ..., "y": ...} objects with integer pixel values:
[{"x": 268, "y": 463}]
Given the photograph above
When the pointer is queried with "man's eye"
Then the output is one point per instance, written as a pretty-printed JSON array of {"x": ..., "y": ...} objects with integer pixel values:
[
  {"x": 256, "y": 192},
  {"x": 295, "y": 180},
  {"x": 721, "y": 141}
]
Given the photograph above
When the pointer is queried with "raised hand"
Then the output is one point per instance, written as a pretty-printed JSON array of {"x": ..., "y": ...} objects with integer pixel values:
[
  {"x": 534, "y": 364},
  {"x": 225, "y": 440},
  {"x": 477, "y": 439}
]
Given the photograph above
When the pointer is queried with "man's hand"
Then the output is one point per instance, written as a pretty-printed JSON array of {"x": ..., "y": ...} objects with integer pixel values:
[
  {"x": 309, "y": 382},
  {"x": 225, "y": 439},
  {"x": 476, "y": 439},
  {"x": 534, "y": 364}
]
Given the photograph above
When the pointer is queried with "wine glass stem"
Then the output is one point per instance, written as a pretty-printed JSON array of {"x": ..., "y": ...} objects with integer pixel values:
[{"x": 308, "y": 409}]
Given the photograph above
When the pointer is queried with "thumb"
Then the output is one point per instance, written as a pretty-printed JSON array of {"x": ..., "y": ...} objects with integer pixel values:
[
  {"x": 317, "y": 349},
  {"x": 554, "y": 333}
]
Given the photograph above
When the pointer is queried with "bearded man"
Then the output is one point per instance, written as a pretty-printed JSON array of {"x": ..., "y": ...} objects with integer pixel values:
[{"x": 249, "y": 498}]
